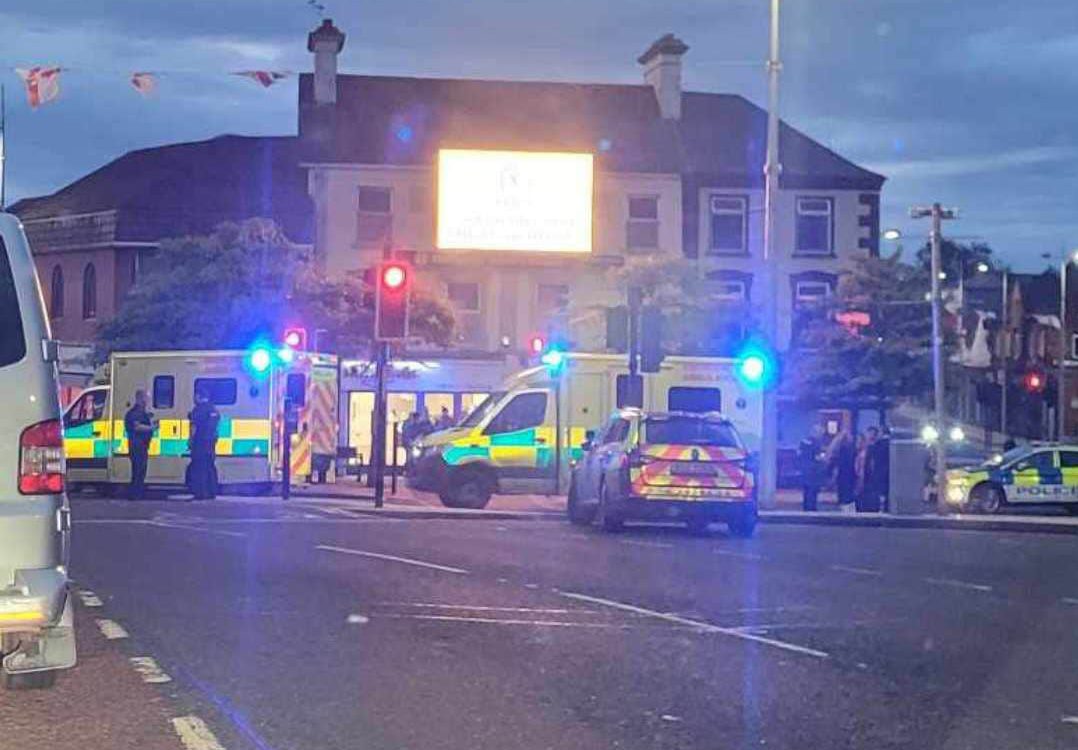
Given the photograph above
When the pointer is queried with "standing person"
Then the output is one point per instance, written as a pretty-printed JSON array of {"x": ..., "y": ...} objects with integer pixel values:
[
  {"x": 424, "y": 427},
  {"x": 138, "y": 426},
  {"x": 860, "y": 469},
  {"x": 881, "y": 468},
  {"x": 445, "y": 420},
  {"x": 808, "y": 455},
  {"x": 841, "y": 460},
  {"x": 202, "y": 472},
  {"x": 871, "y": 468}
]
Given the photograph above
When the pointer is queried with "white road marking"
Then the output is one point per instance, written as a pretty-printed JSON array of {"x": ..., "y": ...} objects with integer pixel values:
[
  {"x": 149, "y": 669},
  {"x": 356, "y": 619},
  {"x": 1070, "y": 719},
  {"x": 703, "y": 627},
  {"x": 531, "y": 585},
  {"x": 670, "y": 717},
  {"x": 190, "y": 527},
  {"x": 89, "y": 598},
  {"x": 741, "y": 555},
  {"x": 1069, "y": 600},
  {"x": 638, "y": 543},
  {"x": 111, "y": 629},
  {"x": 194, "y": 734},
  {"x": 476, "y": 608},
  {"x": 958, "y": 584},
  {"x": 857, "y": 571},
  {"x": 391, "y": 558},
  {"x": 498, "y": 621}
]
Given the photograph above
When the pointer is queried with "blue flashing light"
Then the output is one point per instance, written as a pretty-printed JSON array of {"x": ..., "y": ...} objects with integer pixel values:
[
  {"x": 756, "y": 367},
  {"x": 259, "y": 360},
  {"x": 752, "y": 368},
  {"x": 553, "y": 359},
  {"x": 286, "y": 354},
  {"x": 405, "y": 133}
]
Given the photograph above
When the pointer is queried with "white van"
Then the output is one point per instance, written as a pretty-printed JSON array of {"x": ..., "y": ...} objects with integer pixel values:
[{"x": 37, "y": 635}]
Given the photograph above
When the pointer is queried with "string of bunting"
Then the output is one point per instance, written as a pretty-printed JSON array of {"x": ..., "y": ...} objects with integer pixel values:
[{"x": 42, "y": 82}]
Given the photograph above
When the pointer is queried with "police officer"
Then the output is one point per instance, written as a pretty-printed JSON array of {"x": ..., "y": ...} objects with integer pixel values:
[
  {"x": 202, "y": 473},
  {"x": 138, "y": 426}
]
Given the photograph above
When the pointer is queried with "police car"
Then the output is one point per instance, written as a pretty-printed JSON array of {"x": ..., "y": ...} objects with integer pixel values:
[{"x": 1026, "y": 475}]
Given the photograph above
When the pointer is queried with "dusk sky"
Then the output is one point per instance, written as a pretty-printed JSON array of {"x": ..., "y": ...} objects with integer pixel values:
[{"x": 968, "y": 102}]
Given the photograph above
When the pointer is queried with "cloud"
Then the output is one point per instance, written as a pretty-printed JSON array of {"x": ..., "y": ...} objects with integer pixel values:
[{"x": 956, "y": 166}]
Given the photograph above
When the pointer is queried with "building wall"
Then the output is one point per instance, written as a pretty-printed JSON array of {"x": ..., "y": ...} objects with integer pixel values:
[{"x": 72, "y": 326}]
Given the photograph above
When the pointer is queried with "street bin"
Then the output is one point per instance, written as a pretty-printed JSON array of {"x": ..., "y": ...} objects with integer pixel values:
[{"x": 908, "y": 460}]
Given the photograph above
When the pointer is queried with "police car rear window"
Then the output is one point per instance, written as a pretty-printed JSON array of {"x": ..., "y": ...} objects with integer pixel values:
[
  {"x": 12, "y": 341},
  {"x": 690, "y": 431}
]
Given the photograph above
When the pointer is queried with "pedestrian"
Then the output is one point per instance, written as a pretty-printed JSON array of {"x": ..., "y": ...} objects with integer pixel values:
[
  {"x": 424, "y": 426},
  {"x": 138, "y": 427},
  {"x": 202, "y": 472},
  {"x": 841, "y": 462},
  {"x": 409, "y": 431},
  {"x": 809, "y": 453},
  {"x": 445, "y": 420},
  {"x": 871, "y": 468}
]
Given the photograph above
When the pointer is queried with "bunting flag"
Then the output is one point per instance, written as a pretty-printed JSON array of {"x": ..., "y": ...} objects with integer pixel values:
[
  {"x": 144, "y": 83},
  {"x": 265, "y": 77},
  {"x": 42, "y": 84}
]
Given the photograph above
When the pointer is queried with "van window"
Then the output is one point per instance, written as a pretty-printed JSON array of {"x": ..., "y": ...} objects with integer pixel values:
[
  {"x": 164, "y": 392},
  {"x": 524, "y": 411},
  {"x": 685, "y": 398},
  {"x": 617, "y": 431},
  {"x": 220, "y": 391},
  {"x": 89, "y": 408},
  {"x": 12, "y": 341},
  {"x": 690, "y": 431}
]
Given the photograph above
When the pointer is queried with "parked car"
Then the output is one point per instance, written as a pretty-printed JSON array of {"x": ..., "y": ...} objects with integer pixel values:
[
  {"x": 684, "y": 466},
  {"x": 37, "y": 635}
]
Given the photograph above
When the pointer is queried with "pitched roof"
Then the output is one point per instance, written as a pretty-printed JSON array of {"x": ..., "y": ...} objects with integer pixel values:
[
  {"x": 189, "y": 188},
  {"x": 404, "y": 121}
]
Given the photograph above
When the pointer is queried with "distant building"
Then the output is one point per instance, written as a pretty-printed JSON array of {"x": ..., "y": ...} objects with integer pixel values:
[
  {"x": 677, "y": 174},
  {"x": 91, "y": 237}
]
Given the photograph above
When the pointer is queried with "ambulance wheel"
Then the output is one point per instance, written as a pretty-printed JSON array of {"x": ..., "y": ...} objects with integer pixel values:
[
  {"x": 989, "y": 499},
  {"x": 470, "y": 489},
  {"x": 579, "y": 515},
  {"x": 610, "y": 520}
]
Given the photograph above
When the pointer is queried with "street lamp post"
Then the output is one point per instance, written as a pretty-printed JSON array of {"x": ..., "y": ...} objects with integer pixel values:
[
  {"x": 1061, "y": 386},
  {"x": 938, "y": 214}
]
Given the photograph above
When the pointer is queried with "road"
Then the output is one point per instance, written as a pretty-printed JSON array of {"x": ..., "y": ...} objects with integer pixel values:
[{"x": 297, "y": 627}]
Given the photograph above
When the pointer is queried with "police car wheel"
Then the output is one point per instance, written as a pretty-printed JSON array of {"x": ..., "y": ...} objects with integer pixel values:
[
  {"x": 989, "y": 499},
  {"x": 579, "y": 515},
  {"x": 609, "y": 519}
]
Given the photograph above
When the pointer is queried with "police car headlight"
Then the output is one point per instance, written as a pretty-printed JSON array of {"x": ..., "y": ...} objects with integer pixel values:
[
  {"x": 956, "y": 493},
  {"x": 417, "y": 451}
]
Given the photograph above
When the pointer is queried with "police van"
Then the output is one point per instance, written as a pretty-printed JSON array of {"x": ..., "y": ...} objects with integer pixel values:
[
  {"x": 522, "y": 439},
  {"x": 1026, "y": 475},
  {"x": 248, "y": 389}
]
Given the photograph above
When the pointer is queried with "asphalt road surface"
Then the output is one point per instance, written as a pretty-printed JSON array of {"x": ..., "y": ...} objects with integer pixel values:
[{"x": 300, "y": 628}]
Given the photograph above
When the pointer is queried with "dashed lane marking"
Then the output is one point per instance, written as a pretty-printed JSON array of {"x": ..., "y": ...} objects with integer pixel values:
[
  {"x": 499, "y": 621},
  {"x": 357, "y": 619},
  {"x": 111, "y": 629},
  {"x": 1069, "y": 600},
  {"x": 201, "y": 529},
  {"x": 89, "y": 598},
  {"x": 958, "y": 584},
  {"x": 1070, "y": 719},
  {"x": 148, "y": 668},
  {"x": 478, "y": 608},
  {"x": 857, "y": 571},
  {"x": 740, "y": 555},
  {"x": 391, "y": 558},
  {"x": 194, "y": 734},
  {"x": 638, "y": 543},
  {"x": 703, "y": 627}
]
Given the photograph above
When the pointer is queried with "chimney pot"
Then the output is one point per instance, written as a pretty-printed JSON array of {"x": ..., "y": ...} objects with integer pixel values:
[{"x": 662, "y": 70}]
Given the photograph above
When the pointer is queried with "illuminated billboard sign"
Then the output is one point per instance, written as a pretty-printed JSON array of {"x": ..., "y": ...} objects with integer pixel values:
[{"x": 514, "y": 200}]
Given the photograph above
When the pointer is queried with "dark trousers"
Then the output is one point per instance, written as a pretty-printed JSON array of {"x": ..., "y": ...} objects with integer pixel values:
[
  {"x": 809, "y": 494},
  {"x": 202, "y": 476},
  {"x": 139, "y": 459}
]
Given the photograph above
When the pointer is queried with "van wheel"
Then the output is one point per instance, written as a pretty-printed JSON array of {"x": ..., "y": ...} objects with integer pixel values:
[
  {"x": 609, "y": 518},
  {"x": 579, "y": 515},
  {"x": 469, "y": 489},
  {"x": 29, "y": 680}
]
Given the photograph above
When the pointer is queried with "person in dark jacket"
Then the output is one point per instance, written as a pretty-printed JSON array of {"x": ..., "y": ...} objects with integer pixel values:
[
  {"x": 138, "y": 427},
  {"x": 873, "y": 469},
  {"x": 842, "y": 456},
  {"x": 809, "y": 456},
  {"x": 202, "y": 472}
]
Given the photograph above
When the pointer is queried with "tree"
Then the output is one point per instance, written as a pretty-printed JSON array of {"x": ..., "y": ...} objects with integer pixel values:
[
  {"x": 245, "y": 282},
  {"x": 957, "y": 259},
  {"x": 871, "y": 343}
]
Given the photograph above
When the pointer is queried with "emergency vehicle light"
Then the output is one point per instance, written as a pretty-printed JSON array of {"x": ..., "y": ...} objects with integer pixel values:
[{"x": 260, "y": 359}]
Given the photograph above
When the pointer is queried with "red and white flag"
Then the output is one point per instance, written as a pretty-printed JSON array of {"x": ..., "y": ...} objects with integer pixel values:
[
  {"x": 265, "y": 77},
  {"x": 144, "y": 83},
  {"x": 42, "y": 84}
]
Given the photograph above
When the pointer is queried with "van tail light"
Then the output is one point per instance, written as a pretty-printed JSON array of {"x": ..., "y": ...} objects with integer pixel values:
[{"x": 41, "y": 459}]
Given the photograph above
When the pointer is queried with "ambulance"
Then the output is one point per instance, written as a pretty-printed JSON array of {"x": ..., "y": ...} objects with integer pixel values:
[
  {"x": 523, "y": 438},
  {"x": 248, "y": 389}
]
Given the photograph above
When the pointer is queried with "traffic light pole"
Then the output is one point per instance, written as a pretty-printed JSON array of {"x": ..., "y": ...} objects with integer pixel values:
[
  {"x": 635, "y": 301},
  {"x": 378, "y": 450}
]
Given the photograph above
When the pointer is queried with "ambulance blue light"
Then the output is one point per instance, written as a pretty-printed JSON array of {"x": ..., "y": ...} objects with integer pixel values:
[
  {"x": 260, "y": 359},
  {"x": 286, "y": 354},
  {"x": 752, "y": 368},
  {"x": 756, "y": 367},
  {"x": 553, "y": 359}
]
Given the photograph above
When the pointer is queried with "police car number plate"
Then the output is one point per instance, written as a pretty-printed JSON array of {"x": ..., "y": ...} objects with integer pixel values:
[{"x": 693, "y": 470}]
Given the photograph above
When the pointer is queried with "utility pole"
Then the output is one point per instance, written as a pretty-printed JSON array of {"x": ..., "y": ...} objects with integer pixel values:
[
  {"x": 1061, "y": 381},
  {"x": 3, "y": 148},
  {"x": 772, "y": 170},
  {"x": 1005, "y": 351},
  {"x": 938, "y": 214}
]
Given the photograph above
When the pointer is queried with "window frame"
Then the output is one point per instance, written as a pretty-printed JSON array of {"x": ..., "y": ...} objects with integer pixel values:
[
  {"x": 799, "y": 212},
  {"x": 488, "y": 428},
  {"x": 714, "y": 251},
  {"x": 694, "y": 389},
  {"x": 201, "y": 383},
  {"x": 1027, "y": 459},
  {"x": 154, "y": 391},
  {"x": 386, "y": 216},
  {"x": 742, "y": 296},
  {"x": 89, "y": 292},
  {"x": 811, "y": 298},
  {"x": 56, "y": 284},
  {"x": 650, "y": 221}
]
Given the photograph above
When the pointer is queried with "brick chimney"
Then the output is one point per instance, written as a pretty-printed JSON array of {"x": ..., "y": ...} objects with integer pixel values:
[
  {"x": 662, "y": 69},
  {"x": 326, "y": 43}
]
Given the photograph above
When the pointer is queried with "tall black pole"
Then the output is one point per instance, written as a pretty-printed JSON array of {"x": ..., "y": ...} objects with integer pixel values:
[{"x": 378, "y": 453}]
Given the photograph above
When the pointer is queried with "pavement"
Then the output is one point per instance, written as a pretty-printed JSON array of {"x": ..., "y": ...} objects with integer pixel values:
[{"x": 317, "y": 625}]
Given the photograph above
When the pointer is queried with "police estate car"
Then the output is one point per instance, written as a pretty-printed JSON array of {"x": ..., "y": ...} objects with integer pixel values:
[{"x": 1026, "y": 475}]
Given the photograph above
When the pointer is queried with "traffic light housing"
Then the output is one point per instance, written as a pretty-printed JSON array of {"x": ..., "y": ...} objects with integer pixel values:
[
  {"x": 295, "y": 338},
  {"x": 392, "y": 289},
  {"x": 651, "y": 339}
]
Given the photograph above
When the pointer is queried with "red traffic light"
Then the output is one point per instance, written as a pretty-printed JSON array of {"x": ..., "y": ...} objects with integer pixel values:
[
  {"x": 295, "y": 338},
  {"x": 537, "y": 345},
  {"x": 1033, "y": 382},
  {"x": 394, "y": 276}
]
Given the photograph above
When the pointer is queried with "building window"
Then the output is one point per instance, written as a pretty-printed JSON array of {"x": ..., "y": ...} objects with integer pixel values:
[
  {"x": 56, "y": 292},
  {"x": 729, "y": 225},
  {"x": 642, "y": 231},
  {"x": 812, "y": 291},
  {"x": 464, "y": 296},
  {"x": 815, "y": 226},
  {"x": 375, "y": 216},
  {"x": 89, "y": 292},
  {"x": 553, "y": 298},
  {"x": 730, "y": 291}
]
